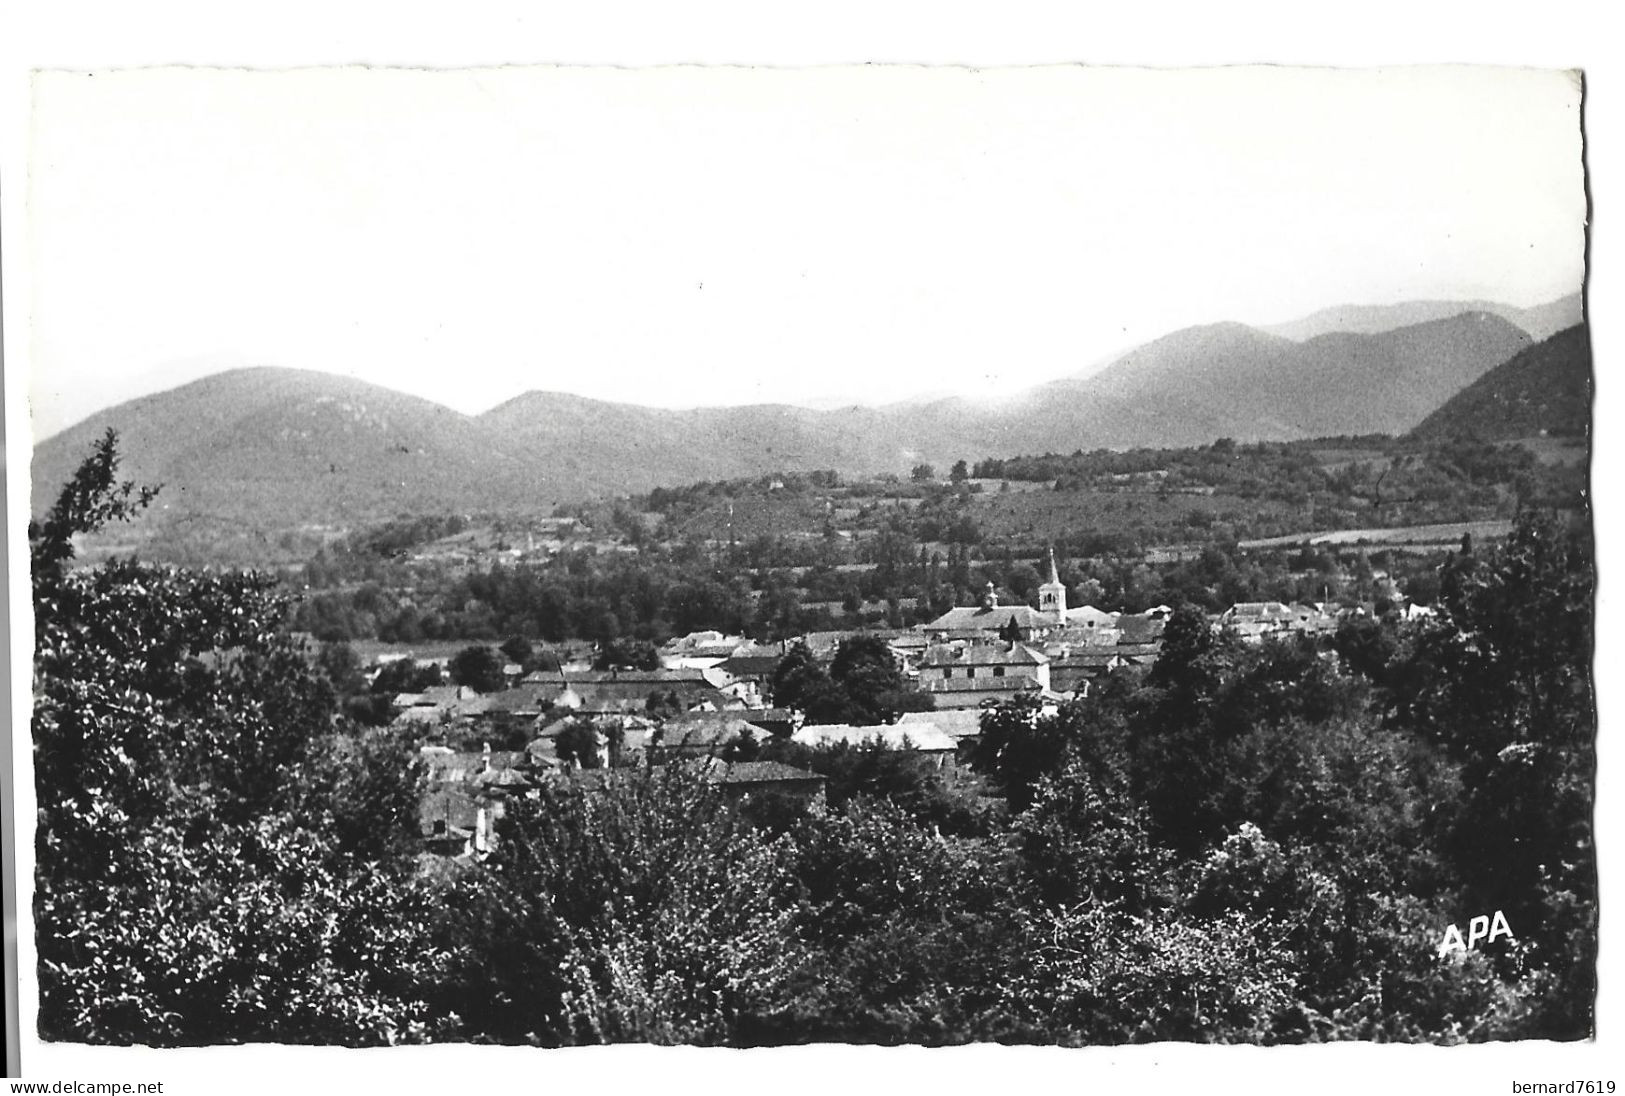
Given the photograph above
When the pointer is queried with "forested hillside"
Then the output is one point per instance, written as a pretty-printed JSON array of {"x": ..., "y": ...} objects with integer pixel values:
[
  {"x": 262, "y": 464},
  {"x": 1544, "y": 390}
]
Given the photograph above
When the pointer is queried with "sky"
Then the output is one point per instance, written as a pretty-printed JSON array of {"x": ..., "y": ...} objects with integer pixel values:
[{"x": 690, "y": 236}]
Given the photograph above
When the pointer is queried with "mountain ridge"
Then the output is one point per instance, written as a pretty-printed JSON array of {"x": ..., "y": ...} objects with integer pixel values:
[{"x": 277, "y": 445}]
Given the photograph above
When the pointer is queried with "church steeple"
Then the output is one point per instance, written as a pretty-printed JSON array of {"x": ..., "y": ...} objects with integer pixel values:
[{"x": 1052, "y": 594}]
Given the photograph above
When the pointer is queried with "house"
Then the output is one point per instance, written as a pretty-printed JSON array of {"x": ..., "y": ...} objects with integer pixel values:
[
  {"x": 1140, "y": 628},
  {"x": 699, "y": 650},
  {"x": 960, "y": 724},
  {"x": 465, "y": 795},
  {"x": 970, "y": 675},
  {"x": 1138, "y": 654},
  {"x": 746, "y": 692},
  {"x": 700, "y": 734},
  {"x": 823, "y": 645},
  {"x": 523, "y": 702},
  {"x": 750, "y": 662},
  {"x": 967, "y": 662},
  {"x": 907, "y": 647},
  {"x": 778, "y": 722},
  {"x": 439, "y": 703},
  {"x": 950, "y": 696},
  {"x": 1094, "y": 625},
  {"x": 1251, "y": 621},
  {"x": 1075, "y": 671},
  {"x": 1311, "y": 620},
  {"x": 753, "y": 779},
  {"x": 623, "y": 691},
  {"x": 635, "y": 732}
]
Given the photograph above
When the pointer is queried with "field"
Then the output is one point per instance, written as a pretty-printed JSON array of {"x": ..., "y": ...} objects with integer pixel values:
[{"x": 1431, "y": 535}]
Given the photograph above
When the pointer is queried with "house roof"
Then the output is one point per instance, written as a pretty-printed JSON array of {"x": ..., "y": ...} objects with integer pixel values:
[
  {"x": 706, "y": 729},
  {"x": 525, "y": 699},
  {"x": 501, "y": 778},
  {"x": 962, "y": 723},
  {"x": 1076, "y": 635},
  {"x": 1139, "y": 628},
  {"x": 707, "y": 639},
  {"x": 453, "y": 806},
  {"x": 977, "y": 618},
  {"x": 914, "y": 736},
  {"x": 1087, "y": 660},
  {"x": 446, "y": 695},
  {"x": 754, "y": 664},
  {"x": 1258, "y": 610},
  {"x": 768, "y": 772},
  {"x": 983, "y": 655},
  {"x": 717, "y": 651},
  {"x": 633, "y": 696},
  {"x": 769, "y": 716},
  {"x": 825, "y": 642},
  {"x": 647, "y": 678},
  {"x": 464, "y": 767}
]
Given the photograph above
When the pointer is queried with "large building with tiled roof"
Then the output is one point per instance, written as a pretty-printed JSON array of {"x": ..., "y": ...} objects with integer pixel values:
[
  {"x": 970, "y": 661},
  {"x": 988, "y": 621}
]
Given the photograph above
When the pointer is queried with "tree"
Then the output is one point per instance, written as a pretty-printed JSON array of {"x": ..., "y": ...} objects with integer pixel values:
[
  {"x": 589, "y": 745},
  {"x": 196, "y": 879},
  {"x": 797, "y": 677},
  {"x": 405, "y": 676},
  {"x": 479, "y": 668},
  {"x": 639, "y": 910},
  {"x": 958, "y": 473},
  {"x": 1083, "y": 840},
  {"x": 923, "y": 473},
  {"x": 867, "y": 673},
  {"x": 342, "y": 666},
  {"x": 1503, "y": 683},
  {"x": 626, "y": 654},
  {"x": 518, "y": 650},
  {"x": 1020, "y": 746}
]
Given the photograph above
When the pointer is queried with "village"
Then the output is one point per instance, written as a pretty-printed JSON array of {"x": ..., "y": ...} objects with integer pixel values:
[{"x": 710, "y": 700}]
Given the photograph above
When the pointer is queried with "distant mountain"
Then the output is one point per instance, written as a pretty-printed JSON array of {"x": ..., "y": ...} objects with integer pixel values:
[
  {"x": 616, "y": 447},
  {"x": 284, "y": 447},
  {"x": 281, "y": 448},
  {"x": 1546, "y": 389},
  {"x": 1229, "y": 380},
  {"x": 1541, "y": 321}
]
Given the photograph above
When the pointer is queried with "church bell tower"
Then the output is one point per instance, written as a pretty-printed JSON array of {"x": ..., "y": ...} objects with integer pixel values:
[{"x": 1052, "y": 595}]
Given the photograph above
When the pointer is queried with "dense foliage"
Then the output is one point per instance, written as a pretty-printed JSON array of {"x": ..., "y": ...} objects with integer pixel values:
[{"x": 218, "y": 860}]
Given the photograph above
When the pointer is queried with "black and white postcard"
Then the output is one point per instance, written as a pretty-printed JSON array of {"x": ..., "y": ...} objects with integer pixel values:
[{"x": 545, "y": 556}]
